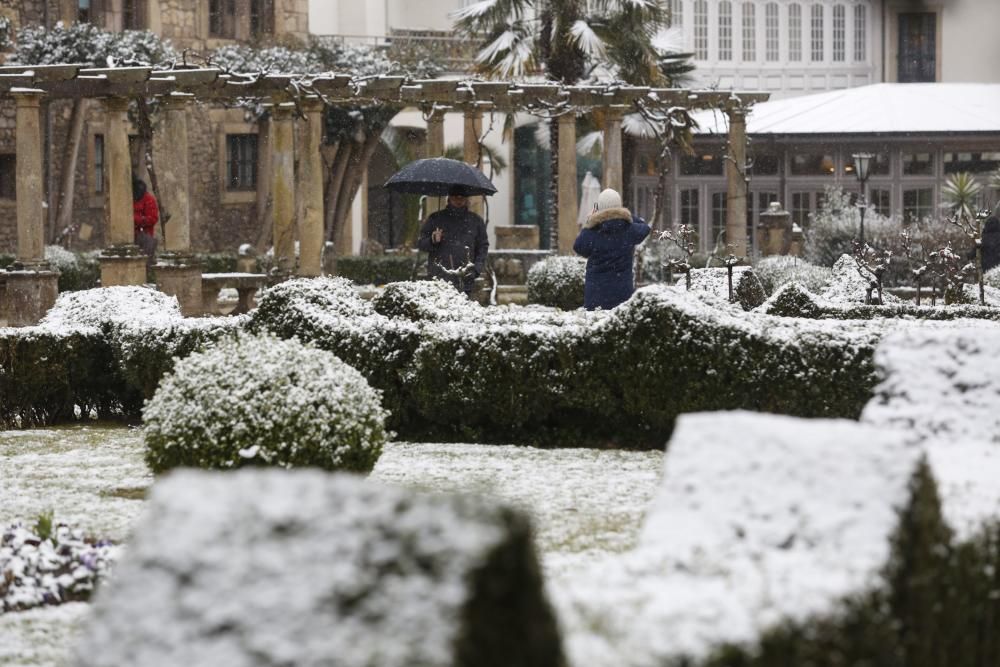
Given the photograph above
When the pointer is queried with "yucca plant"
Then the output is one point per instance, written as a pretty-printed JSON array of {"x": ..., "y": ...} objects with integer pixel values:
[{"x": 961, "y": 194}]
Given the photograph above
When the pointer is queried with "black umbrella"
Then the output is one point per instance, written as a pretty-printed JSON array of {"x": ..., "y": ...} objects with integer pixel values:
[{"x": 440, "y": 176}]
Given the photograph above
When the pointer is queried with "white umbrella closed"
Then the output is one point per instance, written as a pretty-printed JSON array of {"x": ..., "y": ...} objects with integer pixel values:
[{"x": 590, "y": 188}]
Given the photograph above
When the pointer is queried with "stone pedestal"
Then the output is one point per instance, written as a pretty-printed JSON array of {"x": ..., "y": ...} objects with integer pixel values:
[
  {"x": 122, "y": 265},
  {"x": 30, "y": 294},
  {"x": 180, "y": 276},
  {"x": 517, "y": 237},
  {"x": 774, "y": 231}
]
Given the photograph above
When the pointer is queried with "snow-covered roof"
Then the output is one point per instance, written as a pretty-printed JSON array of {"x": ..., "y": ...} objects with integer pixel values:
[{"x": 883, "y": 108}]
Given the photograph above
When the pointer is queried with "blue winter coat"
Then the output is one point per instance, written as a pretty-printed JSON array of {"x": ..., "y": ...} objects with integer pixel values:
[{"x": 607, "y": 241}]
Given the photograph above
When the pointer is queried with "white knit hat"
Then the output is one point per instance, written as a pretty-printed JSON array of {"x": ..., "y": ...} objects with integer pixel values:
[{"x": 608, "y": 199}]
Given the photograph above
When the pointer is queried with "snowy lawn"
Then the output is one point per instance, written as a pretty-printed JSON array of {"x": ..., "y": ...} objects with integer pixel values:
[{"x": 587, "y": 504}]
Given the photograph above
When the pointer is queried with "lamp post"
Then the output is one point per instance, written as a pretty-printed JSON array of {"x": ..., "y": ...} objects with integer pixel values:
[{"x": 862, "y": 161}]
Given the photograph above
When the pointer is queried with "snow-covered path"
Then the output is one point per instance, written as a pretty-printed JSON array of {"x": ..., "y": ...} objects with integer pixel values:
[{"x": 587, "y": 504}]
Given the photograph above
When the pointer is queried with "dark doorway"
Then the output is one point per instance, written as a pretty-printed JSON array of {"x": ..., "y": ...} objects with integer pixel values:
[{"x": 917, "y": 47}]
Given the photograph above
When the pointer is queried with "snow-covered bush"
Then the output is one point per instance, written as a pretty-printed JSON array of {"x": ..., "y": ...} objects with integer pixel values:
[
  {"x": 814, "y": 542},
  {"x": 557, "y": 282},
  {"x": 298, "y": 306},
  {"x": 777, "y": 270},
  {"x": 104, "y": 306},
  {"x": 747, "y": 290},
  {"x": 86, "y": 43},
  {"x": 46, "y": 569},
  {"x": 417, "y": 300},
  {"x": 264, "y": 401},
  {"x": 76, "y": 271},
  {"x": 794, "y": 300},
  {"x": 264, "y": 567},
  {"x": 848, "y": 286}
]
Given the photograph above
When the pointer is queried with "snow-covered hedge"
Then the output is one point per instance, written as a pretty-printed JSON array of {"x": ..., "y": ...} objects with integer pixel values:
[
  {"x": 50, "y": 567},
  {"x": 378, "y": 269},
  {"x": 253, "y": 400},
  {"x": 97, "y": 352},
  {"x": 424, "y": 300},
  {"x": 76, "y": 271},
  {"x": 260, "y": 567},
  {"x": 557, "y": 282},
  {"x": 747, "y": 289},
  {"x": 795, "y": 300},
  {"x": 777, "y": 541},
  {"x": 778, "y": 270}
]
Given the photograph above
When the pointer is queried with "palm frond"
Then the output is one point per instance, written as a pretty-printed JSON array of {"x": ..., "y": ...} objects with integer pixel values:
[
  {"x": 961, "y": 192},
  {"x": 588, "y": 40},
  {"x": 486, "y": 15}
]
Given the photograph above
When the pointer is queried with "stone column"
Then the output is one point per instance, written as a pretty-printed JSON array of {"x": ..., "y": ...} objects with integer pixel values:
[
  {"x": 612, "y": 157},
  {"x": 736, "y": 196},
  {"x": 283, "y": 188},
  {"x": 310, "y": 190},
  {"x": 470, "y": 152},
  {"x": 177, "y": 273},
  {"x": 434, "y": 148},
  {"x": 122, "y": 263},
  {"x": 32, "y": 285},
  {"x": 568, "y": 201}
]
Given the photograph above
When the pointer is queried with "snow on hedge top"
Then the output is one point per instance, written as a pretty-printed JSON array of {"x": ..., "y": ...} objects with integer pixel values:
[
  {"x": 558, "y": 269},
  {"x": 259, "y": 567},
  {"x": 111, "y": 305},
  {"x": 763, "y": 517},
  {"x": 847, "y": 285},
  {"x": 941, "y": 382}
]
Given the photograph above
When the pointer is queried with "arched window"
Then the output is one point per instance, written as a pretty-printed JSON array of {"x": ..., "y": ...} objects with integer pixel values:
[
  {"x": 816, "y": 43},
  {"x": 860, "y": 33},
  {"x": 795, "y": 32},
  {"x": 701, "y": 29},
  {"x": 772, "y": 29},
  {"x": 749, "y": 32},
  {"x": 725, "y": 30},
  {"x": 839, "y": 34}
]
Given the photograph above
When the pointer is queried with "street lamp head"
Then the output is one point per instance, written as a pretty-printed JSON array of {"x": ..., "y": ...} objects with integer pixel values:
[{"x": 862, "y": 161}]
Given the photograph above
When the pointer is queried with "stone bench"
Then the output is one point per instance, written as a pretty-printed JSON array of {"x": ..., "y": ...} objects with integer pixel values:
[{"x": 245, "y": 284}]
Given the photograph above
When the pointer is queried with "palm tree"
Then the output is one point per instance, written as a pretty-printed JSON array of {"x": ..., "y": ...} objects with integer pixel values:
[
  {"x": 572, "y": 40},
  {"x": 961, "y": 194},
  {"x": 575, "y": 40}
]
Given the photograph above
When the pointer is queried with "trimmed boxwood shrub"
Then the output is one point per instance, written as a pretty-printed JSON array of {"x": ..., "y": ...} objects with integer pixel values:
[
  {"x": 379, "y": 269},
  {"x": 794, "y": 300},
  {"x": 76, "y": 271},
  {"x": 264, "y": 401},
  {"x": 557, "y": 282},
  {"x": 778, "y": 270},
  {"x": 747, "y": 290},
  {"x": 424, "y": 300},
  {"x": 938, "y": 606},
  {"x": 329, "y": 314},
  {"x": 58, "y": 375}
]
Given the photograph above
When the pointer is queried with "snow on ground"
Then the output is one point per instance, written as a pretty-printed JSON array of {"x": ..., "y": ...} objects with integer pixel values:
[
  {"x": 93, "y": 477},
  {"x": 587, "y": 504}
]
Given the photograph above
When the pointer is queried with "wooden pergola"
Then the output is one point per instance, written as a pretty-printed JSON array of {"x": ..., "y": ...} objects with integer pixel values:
[{"x": 298, "y": 98}]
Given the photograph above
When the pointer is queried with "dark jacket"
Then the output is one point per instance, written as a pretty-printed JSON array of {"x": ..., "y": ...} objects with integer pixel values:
[
  {"x": 464, "y": 242},
  {"x": 608, "y": 241},
  {"x": 991, "y": 243}
]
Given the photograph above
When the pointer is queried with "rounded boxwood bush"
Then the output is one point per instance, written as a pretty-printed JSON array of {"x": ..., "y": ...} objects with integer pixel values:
[
  {"x": 424, "y": 300},
  {"x": 775, "y": 271},
  {"x": 557, "y": 282},
  {"x": 258, "y": 400}
]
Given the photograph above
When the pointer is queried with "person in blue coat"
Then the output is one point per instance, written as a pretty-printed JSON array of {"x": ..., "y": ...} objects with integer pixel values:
[{"x": 608, "y": 240}]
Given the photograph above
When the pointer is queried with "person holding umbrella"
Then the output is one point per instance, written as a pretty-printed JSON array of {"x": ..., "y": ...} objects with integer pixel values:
[{"x": 455, "y": 241}]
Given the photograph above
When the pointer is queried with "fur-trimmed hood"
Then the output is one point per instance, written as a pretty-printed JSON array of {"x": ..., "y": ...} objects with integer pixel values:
[{"x": 597, "y": 217}]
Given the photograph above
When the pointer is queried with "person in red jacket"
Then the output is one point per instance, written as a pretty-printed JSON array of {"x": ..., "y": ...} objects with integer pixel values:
[{"x": 145, "y": 215}]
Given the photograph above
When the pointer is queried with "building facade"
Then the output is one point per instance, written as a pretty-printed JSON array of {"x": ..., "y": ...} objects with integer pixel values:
[{"x": 228, "y": 149}]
